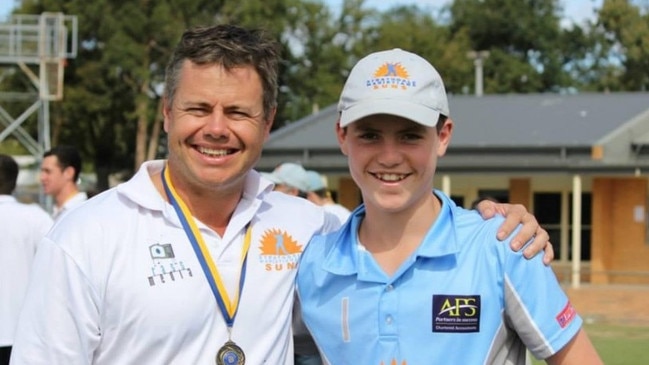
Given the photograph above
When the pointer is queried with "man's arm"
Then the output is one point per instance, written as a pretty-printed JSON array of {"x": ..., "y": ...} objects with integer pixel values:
[
  {"x": 517, "y": 214},
  {"x": 578, "y": 351}
]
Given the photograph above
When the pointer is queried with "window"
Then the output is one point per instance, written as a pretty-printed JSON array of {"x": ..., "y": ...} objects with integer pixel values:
[{"x": 547, "y": 209}]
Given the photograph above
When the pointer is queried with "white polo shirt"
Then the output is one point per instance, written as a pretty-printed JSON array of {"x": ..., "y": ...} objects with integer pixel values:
[
  {"x": 22, "y": 226},
  {"x": 118, "y": 282},
  {"x": 69, "y": 204}
]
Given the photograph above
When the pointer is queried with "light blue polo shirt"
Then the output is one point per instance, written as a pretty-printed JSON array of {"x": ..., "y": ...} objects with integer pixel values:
[{"x": 462, "y": 298}]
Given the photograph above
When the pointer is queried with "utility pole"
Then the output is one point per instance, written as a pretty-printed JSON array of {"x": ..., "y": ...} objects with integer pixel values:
[{"x": 478, "y": 58}]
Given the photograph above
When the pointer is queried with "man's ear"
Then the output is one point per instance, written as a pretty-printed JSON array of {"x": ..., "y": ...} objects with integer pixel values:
[
  {"x": 269, "y": 122},
  {"x": 68, "y": 172},
  {"x": 165, "y": 114}
]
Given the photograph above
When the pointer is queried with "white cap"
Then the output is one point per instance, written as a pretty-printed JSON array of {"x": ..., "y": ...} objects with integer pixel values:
[
  {"x": 316, "y": 181},
  {"x": 291, "y": 174},
  {"x": 394, "y": 82}
]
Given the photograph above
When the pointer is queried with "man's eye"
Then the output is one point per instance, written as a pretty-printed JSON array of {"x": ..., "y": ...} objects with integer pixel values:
[
  {"x": 239, "y": 114},
  {"x": 197, "y": 111}
]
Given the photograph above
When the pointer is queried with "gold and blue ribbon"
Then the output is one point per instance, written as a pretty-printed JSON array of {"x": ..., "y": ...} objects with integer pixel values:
[{"x": 228, "y": 308}]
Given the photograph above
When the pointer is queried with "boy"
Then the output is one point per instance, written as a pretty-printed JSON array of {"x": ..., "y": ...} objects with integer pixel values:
[{"x": 411, "y": 278}]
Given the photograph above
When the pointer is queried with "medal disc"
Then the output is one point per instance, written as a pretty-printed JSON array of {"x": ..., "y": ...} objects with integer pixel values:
[{"x": 230, "y": 354}]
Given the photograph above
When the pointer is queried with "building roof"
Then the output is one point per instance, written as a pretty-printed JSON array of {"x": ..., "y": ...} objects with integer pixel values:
[{"x": 591, "y": 132}]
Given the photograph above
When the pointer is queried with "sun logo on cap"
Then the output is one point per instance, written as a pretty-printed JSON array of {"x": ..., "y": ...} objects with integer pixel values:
[
  {"x": 391, "y": 69},
  {"x": 390, "y": 75}
]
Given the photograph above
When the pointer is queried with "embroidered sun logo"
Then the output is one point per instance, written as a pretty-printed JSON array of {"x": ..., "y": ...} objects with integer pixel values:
[
  {"x": 277, "y": 242},
  {"x": 390, "y": 69}
]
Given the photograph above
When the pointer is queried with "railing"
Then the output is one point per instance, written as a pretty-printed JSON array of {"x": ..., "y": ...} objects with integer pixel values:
[
  {"x": 31, "y": 39},
  {"x": 45, "y": 40}
]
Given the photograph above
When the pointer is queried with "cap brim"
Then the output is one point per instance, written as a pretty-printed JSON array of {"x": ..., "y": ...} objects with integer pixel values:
[
  {"x": 409, "y": 110},
  {"x": 270, "y": 176}
]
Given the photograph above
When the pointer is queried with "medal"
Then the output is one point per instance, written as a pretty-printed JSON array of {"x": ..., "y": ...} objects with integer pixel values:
[{"x": 230, "y": 354}]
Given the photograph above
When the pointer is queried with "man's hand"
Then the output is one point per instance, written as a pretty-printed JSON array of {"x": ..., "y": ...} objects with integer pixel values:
[{"x": 515, "y": 214}]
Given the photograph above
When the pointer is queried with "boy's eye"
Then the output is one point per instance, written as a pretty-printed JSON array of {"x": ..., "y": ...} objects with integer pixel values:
[
  {"x": 411, "y": 136},
  {"x": 368, "y": 136}
]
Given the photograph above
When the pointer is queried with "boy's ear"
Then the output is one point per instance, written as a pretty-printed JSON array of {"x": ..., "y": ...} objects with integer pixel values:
[
  {"x": 341, "y": 135},
  {"x": 444, "y": 135}
]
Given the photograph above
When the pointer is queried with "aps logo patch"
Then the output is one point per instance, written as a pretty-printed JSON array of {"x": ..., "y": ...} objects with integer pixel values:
[{"x": 456, "y": 313}]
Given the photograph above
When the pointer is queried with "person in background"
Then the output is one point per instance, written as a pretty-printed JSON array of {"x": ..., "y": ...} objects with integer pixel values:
[
  {"x": 60, "y": 171},
  {"x": 193, "y": 259},
  {"x": 319, "y": 194},
  {"x": 22, "y": 226},
  {"x": 289, "y": 178},
  {"x": 411, "y": 278}
]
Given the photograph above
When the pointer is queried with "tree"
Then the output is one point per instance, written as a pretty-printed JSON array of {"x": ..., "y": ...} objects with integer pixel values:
[
  {"x": 624, "y": 34},
  {"x": 521, "y": 36},
  {"x": 413, "y": 30}
]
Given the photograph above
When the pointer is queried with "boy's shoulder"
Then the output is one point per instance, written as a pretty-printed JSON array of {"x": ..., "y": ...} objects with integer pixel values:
[{"x": 470, "y": 227}]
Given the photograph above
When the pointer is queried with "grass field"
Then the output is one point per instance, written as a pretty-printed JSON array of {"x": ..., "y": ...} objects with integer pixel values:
[{"x": 618, "y": 345}]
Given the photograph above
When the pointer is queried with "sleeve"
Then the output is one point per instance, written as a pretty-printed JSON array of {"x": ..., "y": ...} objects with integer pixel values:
[
  {"x": 59, "y": 321},
  {"x": 331, "y": 222},
  {"x": 536, "y": 306}
]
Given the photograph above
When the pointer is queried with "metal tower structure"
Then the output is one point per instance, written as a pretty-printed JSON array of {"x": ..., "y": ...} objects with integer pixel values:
[{"x": 39, "y": 46}]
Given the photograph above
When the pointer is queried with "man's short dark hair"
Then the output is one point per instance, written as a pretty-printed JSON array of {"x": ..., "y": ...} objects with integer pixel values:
[
  {"x": 8, "y": 174},
  {"x": 68, "y": 156}
]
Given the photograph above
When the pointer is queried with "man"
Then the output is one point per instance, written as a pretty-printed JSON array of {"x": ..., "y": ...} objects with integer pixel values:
[
  {"x": 22, "y": 226},
  {"x": 194, "y": 258},
  {"x": 411, "y": 278},
  {"x": 60, "y": 171}
]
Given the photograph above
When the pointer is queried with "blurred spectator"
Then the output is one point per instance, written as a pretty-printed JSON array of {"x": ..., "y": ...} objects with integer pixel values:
[
  {"x": 319, "y": 193},
  {"x": 289, "y": 178},
  {"x": 59, "y": 175},
  {"x": 22, "y": 227}
]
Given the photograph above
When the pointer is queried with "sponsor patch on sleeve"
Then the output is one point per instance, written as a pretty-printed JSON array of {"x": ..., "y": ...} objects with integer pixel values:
[{"x": 566, "y": 315}]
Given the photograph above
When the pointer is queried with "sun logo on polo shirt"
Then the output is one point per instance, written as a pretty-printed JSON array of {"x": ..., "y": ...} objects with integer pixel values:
[{"x": 279, "y": 250}]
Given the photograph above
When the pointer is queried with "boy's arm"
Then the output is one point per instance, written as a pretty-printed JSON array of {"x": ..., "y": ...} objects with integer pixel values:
[
  {"x": 578, "y": 351},
  {"x": 516, "y": 214}
]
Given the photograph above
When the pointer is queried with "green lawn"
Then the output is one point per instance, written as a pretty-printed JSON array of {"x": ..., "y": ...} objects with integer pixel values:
[{"x": 618, "y": 345}]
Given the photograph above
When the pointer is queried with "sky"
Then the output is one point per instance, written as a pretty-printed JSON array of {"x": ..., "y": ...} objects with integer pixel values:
[{"x": 575, "y": 11}]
